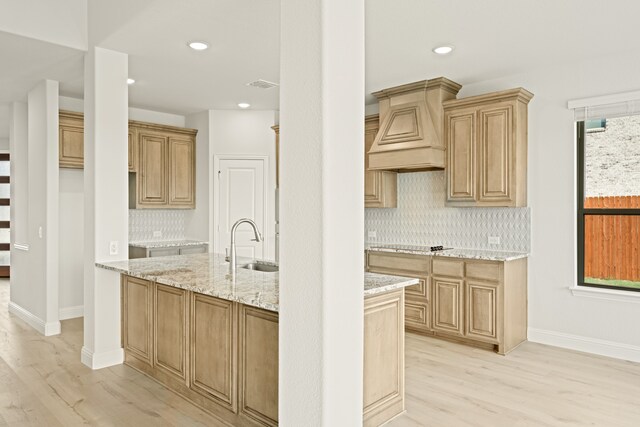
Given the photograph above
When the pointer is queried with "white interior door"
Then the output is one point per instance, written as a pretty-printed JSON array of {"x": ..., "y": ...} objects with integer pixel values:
[{"x": 241, "y": 186}]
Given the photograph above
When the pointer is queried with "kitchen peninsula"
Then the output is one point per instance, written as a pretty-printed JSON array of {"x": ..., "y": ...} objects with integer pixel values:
[{"x": 213, "y": 338}]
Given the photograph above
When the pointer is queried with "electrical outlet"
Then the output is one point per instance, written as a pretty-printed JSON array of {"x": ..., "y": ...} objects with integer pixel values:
[
  {"x": 157, "y": 233},
  {"x": 113, "y": 247},
  {"x": 372, "y": 235},
  {"x": 494, "y": 240}
]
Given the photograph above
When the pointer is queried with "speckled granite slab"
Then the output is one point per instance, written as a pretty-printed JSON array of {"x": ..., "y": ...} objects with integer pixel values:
[
  {"x": 166, "y": 244},
  {"x": 452, "y": 253},
  {"x": 209, "y": 274}
]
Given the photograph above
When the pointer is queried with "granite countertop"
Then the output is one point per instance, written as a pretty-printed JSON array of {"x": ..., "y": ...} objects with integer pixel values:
[
  {"x": 166, "y": 244},
  {"x": 482, "y": 254},
  {"x": 209, "y": 274}
]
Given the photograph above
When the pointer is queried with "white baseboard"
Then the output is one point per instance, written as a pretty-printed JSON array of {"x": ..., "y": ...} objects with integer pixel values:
[
  {"x": 102, "y": 360},
  {"x": 45, "y": 328},
  {"x": 71, "y": 312},
  {"x": 586, "y": 344}
]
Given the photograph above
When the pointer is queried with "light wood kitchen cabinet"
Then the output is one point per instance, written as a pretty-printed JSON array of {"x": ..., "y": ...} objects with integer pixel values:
[
  {"x": 448, "y": 305},
  {"x": 258, "y": 365},
  {"x": 486, "y": 138},
  {"x": 170, "y": 331},
  {"x": 182, "y": 172},
  {"x": 213, "y": 331},
  {"x": 71, "y": 140},
  {"x": 137, "y": 319},
  {"x": 152, "y": 179},
  {"x": 132, "y": 149},
  {"x": 467, "y": 300},
  {"x": 166, "y": 168},
  {"x": 417, "y": 297},
  {"x": 161, "y": 160},
  {"x": 481, "y": 310},
  {"x": 383, "y": 388},
  {"x": 380, "y": 187}
]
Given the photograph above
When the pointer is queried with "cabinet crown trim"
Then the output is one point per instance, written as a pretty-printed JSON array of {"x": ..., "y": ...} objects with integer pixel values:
[{"x": 517, "y": 94}]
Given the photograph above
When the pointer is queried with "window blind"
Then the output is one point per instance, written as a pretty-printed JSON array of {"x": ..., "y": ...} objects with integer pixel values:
[{"x": 608, "y": 106}]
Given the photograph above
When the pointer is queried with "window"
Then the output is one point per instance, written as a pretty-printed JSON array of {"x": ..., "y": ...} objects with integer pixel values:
[{"x": 609, "y": 202}]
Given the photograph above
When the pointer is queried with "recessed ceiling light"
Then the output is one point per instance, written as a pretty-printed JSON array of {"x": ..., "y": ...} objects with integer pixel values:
[
  {"x": 244, "y": 105},
  {"x": 443, "y": 50},
  {"x": 198, "y": 45},
  {"x": 130, "y": 81}
]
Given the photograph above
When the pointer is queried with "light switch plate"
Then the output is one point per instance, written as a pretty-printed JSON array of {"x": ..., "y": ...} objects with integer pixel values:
[
  {"x": 494, "y": 240},
  {"x": 113, "y": 247}
]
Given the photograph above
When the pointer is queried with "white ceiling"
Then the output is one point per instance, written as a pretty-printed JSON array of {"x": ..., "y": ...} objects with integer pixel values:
[{"x": 493, "y": 38}]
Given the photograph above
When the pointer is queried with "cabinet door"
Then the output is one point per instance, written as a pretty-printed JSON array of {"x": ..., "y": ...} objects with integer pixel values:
[
  {"x": 448, "y": 305},
  {"x": 213, "y": 349},
  {"x": 182, "y": 172},
  {"x": 170, "y": 331},
  {"x": 133, "y": 152},
  {"x": 71, "y": 140},
  {"x": 496, "y": 151},
  {"x": 163, "y": 252},
  {"x": 259, "y": 365},
  {"x": 481, "y": 311},
  {"x": 187, "y": 250},
  {"x": 461, "y": 155},
  {"x": 152, "y": 182},
  {"x": 380, "y": 188},
  {"x": 383, "y": 387},
  {"x": 137, "y": 318}
]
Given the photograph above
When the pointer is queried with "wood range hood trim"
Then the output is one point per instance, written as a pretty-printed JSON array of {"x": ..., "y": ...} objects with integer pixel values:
[{"x": 410, "y": 138}]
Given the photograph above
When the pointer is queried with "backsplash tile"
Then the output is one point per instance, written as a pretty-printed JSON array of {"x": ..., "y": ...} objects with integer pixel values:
[
  {"x": 421, "y": 218},
  {"x": 142, "y": 224}
]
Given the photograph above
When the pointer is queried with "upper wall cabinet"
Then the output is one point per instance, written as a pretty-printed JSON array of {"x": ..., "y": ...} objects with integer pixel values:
[
  {"x": 486, "y": 140},
  {"x": 71, "y": 140},
  {"x": 162, "y": 157},
  {"x": 166, "y": 169},
  {"x": 380, "y": 187}
]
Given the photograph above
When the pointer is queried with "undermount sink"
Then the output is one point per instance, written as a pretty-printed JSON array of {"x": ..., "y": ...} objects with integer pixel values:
[{"x": 266, "y": 268}]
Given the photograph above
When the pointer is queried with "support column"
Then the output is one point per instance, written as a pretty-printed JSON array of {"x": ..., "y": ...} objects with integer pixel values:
[
  {"x": 322, "y": 212},
  {"x": 106, "y": 201}
]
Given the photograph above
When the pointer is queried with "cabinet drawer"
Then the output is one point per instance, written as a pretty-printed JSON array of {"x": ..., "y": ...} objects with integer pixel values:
[
  {"x": 193, "y": 250},
  {"x": 416, "y": 315},
  {"x": 163, "y": 252},
  {"x": 448, "y": 267},
  {"x": 398, "y": 262},
  {"x": 484, "y": 270},
  {"x": 421, "y": 290}
]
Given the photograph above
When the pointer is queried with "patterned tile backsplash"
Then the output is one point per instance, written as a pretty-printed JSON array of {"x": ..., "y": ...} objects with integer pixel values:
[
  {"x": 143, "y": 224},
  {"x": 421, "y": 218}
]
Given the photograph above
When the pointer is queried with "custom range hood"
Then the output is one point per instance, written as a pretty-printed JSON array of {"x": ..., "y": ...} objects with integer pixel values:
[{"x": 410, "y": 137}]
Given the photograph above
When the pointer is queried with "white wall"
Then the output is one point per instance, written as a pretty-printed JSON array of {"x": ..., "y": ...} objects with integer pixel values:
[
  {"x": 556, "y": 316},
  {"x": 197, "y": 220},
  {"x": 246, "y": 132},
  {"x": 61, "y": 22},
  {"x": 71, "y": 208},
  {"x": 34, "y": 292},
  {"x": 4, "y": 144}
]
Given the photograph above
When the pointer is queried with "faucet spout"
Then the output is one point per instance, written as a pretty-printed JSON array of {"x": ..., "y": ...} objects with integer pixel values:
[{"x": 258, "y": 238}]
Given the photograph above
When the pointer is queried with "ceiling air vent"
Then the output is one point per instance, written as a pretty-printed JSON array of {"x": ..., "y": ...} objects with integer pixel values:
[{"x": 262, "y": 84}]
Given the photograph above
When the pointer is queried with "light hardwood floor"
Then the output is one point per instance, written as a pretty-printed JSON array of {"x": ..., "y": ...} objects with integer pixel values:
[{"x": 43, "y": 383}]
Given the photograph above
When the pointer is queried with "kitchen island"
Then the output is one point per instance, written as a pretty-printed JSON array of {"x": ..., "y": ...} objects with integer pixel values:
[{"x": 213, "y": 338}]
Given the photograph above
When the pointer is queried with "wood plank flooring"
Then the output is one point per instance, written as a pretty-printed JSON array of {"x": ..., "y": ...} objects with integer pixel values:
[{"x": 43, "y": 383}]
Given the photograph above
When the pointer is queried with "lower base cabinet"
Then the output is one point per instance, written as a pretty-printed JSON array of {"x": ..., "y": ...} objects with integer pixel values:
[
  {"x": 223, "y": 355},
  {"x": 483, "y": 303}
]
